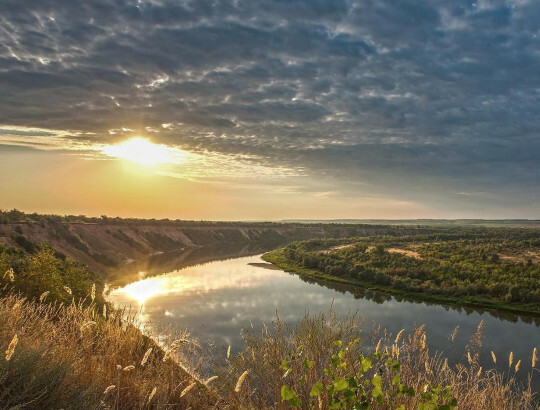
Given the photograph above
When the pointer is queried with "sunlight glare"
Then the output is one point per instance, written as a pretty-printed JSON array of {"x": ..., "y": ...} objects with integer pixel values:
[
  {"x": 143, "y": 290},
  {"x": 143, "y": 152}
]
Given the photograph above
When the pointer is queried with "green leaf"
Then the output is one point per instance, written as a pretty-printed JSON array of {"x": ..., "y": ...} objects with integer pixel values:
[
  {"x": 287, "y": 393},
  {"x": 307, "y": 364},
  {"x": 316, "y": 390},
  {"x": 376, "y": 381},
  {"x": 284, "y": 365},
  {"x": 338, "y": 343},
  {"x": 352, "y": 382},
  {"x": 395, "y": 366},
  {"x": 366, "y": 364},
  {"x": 396, "y": 379},
  {"x": 296, "y": 402},
  {"x": 340, "y": 383},
  {"x": 349, "y": 395}
]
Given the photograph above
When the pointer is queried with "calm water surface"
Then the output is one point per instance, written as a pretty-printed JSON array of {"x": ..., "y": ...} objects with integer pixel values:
[{"x": 215, "y": 300}]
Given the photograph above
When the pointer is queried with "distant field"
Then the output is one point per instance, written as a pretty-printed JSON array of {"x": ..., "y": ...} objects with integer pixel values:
[
  {"x": 524, "y": 223},
  {"x": 488, "y": 267}
]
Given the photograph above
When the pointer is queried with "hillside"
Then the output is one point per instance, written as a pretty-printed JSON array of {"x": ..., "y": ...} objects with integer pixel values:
[{"x": 104, "y": 244}]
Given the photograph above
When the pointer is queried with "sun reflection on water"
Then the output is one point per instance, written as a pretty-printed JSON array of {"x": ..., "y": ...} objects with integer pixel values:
[{"x": 199, "y": 280}]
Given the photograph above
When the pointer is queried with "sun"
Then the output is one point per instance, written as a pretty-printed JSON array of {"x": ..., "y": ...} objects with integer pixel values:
[{"x": 140, "y": 150}]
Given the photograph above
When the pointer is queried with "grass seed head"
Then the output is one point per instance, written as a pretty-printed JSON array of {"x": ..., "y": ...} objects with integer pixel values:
[
  {"x": 399, "y": 335},
  {"x": 240, "y": 381},
  {"x": 109, "y": 389},
  {"x": 152, "y": 394},
  {"x": 43, "y": 296},
  {"x": 377, "y": 348},
  {"x": 187, "y": 389},
  {"x": 10, "y": 275},
  {"x": 11, "y": 348},
  {"x": 146, "y": 356},
  {"x": 210, "y": 380}
]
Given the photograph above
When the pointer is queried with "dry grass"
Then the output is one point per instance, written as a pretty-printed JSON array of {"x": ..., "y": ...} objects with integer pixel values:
[
  {"x": 406, "y": 252},
  {"x": 72, "y": 358},
  {"x": 313, "y": 338}
]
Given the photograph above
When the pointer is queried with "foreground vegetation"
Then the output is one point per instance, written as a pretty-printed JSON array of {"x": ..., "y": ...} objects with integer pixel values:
[
  {"x": 497, "y": 268},
  {"x": 74, "y": 358}
]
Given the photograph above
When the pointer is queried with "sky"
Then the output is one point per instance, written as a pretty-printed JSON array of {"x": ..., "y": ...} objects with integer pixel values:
[{"x": 269, "y": 110}]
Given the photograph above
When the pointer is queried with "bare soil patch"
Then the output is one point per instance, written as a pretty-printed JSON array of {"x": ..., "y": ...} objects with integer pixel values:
[{"x": 406, "y": 252}]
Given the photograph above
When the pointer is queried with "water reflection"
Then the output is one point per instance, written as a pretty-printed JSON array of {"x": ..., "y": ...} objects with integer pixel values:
[
  {"x": 166, "y": 262},
  {"x": 216, "y": 300}
]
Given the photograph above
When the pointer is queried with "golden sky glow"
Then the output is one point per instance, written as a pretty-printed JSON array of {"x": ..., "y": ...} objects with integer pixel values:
[
  {"x": 144, "y": 152},
  {"x": 141, "y": 175}
]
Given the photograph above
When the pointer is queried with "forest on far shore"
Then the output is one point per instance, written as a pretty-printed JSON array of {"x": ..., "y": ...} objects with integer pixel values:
[{"x": 494, "y": 267}]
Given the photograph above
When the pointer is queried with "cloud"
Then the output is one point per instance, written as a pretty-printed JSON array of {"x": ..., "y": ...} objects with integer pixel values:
[{"x": 374, "y": 95}]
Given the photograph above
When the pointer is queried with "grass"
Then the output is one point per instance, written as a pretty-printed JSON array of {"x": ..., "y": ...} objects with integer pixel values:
[
  {"x": 72, "y": 357},
  {"x": 278, "y": 258},
  {"x": 326, "y": 350}
]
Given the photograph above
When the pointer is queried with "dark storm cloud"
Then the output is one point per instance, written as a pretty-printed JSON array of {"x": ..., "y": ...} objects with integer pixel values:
[{"x": 446, "y": 93}]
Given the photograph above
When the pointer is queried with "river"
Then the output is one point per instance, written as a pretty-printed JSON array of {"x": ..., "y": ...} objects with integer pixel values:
[{"x": 214, "y": 300}]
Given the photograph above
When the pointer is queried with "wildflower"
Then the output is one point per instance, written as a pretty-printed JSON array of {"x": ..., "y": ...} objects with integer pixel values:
[{"x": 68, "y": 290}]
